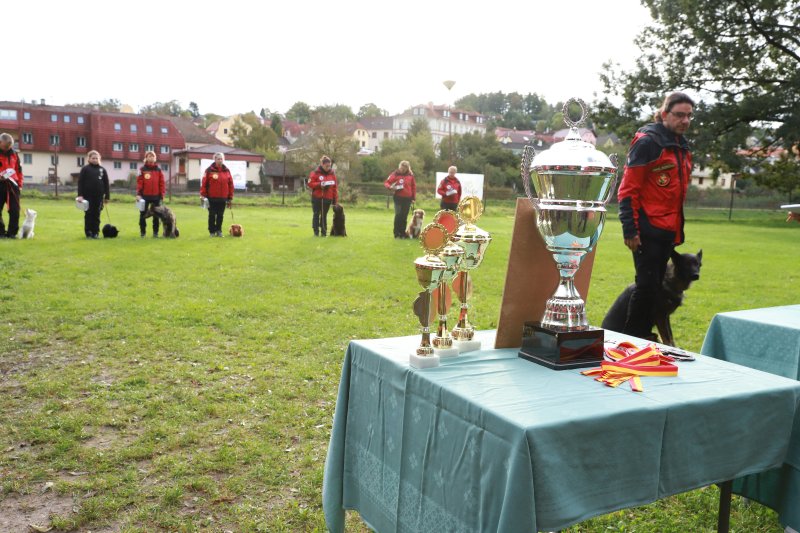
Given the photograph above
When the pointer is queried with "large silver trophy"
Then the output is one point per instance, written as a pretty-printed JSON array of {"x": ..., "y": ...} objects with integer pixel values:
[{"x": 573, "y": 183}]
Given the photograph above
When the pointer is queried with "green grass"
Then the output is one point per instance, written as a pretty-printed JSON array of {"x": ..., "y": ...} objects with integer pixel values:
[{"x": 190, "y": 384}]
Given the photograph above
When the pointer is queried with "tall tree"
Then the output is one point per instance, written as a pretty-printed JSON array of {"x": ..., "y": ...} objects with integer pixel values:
[
  {"x": 325, "y": 114},
  {"x": 249, "y": 133},
  {"x": 782, "y": 175},
  {"x": 172, "y": 108},
  {"x": 111, "y": 104},
  {"x": 370, "y": 110},
  {"x": 194, "y": 110},
  {"x": 276, "y": 123},
  {"x": 741, "y": 56},
  {"x": 300, "y": 112}
]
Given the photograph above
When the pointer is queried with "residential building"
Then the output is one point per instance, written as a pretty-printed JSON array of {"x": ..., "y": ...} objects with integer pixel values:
[
  {"x": 222, "y": 129},
  {"x": 292, "y": 130},
  {"x": 378, "y": 130},
  {"x": 190, "y": 166},
  {"x": 193, "y": 135},
  {"x": 442, "y": 121},
  {"x": 703, "y": 179},
  {"x": 516, "y": 140},
  {"x": 292, "y": 176}
]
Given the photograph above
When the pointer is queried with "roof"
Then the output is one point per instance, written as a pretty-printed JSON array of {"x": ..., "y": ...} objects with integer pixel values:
[
  {"x": 376, "y": 123},
  {"x": 275, "y": 168},
  {"x": 191, "y": 132}
]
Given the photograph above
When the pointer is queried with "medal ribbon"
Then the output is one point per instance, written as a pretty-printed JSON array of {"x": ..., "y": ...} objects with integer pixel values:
[{"x": 626, "y": 362}]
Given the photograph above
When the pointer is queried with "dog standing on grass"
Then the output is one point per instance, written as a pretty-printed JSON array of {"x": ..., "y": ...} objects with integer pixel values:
[
  {"x": 337, "y": 226},
  {"x": 27, "y": 226},
  {"x": 167, "y": 218},
  {"x": 415, "y": 226},
  {"x": 682, "y": 270}
]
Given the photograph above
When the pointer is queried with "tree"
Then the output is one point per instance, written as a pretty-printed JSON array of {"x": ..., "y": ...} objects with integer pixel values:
[
  {"x": 300, "y": 112},
  {"x": 172, "y": 109},
  {"x": 782, "y": 175},
  {"x": 194, "y": 110},
  {"x": 249, "y": 133},
  {"x": 325, "y": 114},
  {"x": 742, "y": 56},
  {"x": 333, "y": 140},
  {"x": 109, "y": 105},
  {"x": 276, "y": 123},
  {"x": 419, "y": 126},
  {"x": 482, "y": 154},
  {"x": 370, "y": 111}
]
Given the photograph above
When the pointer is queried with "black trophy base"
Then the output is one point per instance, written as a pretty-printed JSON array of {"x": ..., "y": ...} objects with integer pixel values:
[{"x": 562, "y": 350}]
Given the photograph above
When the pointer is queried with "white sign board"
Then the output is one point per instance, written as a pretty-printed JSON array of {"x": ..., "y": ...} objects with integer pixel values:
[
  {"x": 238, "y": 171},
  {"x": 471, "y": 184}
]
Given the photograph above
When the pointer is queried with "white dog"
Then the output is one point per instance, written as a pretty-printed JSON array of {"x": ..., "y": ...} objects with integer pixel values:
[{"x": 27, "y": 226}]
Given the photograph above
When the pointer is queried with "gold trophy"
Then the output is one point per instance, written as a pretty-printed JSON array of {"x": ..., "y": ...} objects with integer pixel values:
[
  {"x": 451, "y": 255},
  {"x": 474, "y": 242},
  {"x": 430, "y": 270}
]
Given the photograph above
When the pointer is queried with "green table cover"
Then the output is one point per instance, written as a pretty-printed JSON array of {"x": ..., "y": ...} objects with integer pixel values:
[
  {"x": 769, "y": 340},
  {"x": 490, "y": 442}
]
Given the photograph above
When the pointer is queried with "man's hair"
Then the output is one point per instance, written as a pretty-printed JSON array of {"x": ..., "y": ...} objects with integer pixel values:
[
  {"x": 93, "y": 152},
  {"x": 670, "y": 101},
  {"x": 219, "y": 154},
  {"x": 150, "y": 152},
  {"x": 453, "y": 168},
  {"x": 6, "y": 137}
]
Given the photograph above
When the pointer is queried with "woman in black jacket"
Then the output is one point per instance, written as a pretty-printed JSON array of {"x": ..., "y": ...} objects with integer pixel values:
[{"x": 93, "y": 187}]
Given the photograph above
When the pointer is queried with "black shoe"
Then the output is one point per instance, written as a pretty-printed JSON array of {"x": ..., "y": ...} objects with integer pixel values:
[
  {"x": 95, "y": 236},
  {"x": 155, "y": 235},
  {"x": 142, "y": 235}
]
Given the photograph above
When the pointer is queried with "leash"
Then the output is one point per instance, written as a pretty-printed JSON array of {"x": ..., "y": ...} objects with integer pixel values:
[{"x": 108, "y": 213}]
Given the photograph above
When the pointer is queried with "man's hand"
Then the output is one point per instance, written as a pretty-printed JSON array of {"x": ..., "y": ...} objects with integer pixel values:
[
  {"x": 230, "y": 203},
  {"x": 633, "y": 243},
  {"x": 793, "y": 216}
]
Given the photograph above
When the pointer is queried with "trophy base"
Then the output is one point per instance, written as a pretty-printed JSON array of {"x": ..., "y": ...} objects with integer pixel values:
[
  {"x": 562, "y": 350},
  {"x": 423, "y": 361},
  {"x": 445, "y": 353},
  {"x": 467, "y": 346}
]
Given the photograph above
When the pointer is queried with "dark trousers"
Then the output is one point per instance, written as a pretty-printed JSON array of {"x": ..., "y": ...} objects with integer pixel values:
[
  {"x": 91, "y": 218},
  {"x": 143, "y": 221},
  {"x": 448, "y": 205},
  {"x": 650, "y": 261},
  {"x": 401, "y": 207},
  {"x": 319, "y": 221},
  {"x": 9, "y": 194},
  {"x": 216, "y": 212}
]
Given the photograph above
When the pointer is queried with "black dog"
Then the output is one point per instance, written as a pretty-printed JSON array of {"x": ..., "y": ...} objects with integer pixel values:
[
  {"x": 167, "y": 218},
  {"x": 109, "y": 231},
  {"x": 681, "y": 272},
  {"x": 337, "y": 227}
]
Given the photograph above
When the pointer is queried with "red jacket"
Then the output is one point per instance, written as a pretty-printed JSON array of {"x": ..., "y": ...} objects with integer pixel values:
[
  {"x": 317, "y": 178},
  {"x": 407, "y": 185},
  {"x": 150, "y": 181},
  {"x": 217, "y": 183},
  {"x": 449, "y": 184},
  {"x": 654, "y": 184},
  {"x": 10, "y": 160}
]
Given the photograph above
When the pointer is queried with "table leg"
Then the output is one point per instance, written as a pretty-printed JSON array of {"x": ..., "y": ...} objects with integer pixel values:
[{"x": 724, "y": 518}]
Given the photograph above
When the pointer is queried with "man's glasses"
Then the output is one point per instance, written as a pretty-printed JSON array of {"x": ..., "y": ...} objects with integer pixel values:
[{"x": 682, "y": 115}]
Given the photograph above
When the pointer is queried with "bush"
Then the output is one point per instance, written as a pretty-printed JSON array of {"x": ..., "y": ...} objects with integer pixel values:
[
  {"x": 120, "y": 184},
  {"x": 192, "y": 185}
]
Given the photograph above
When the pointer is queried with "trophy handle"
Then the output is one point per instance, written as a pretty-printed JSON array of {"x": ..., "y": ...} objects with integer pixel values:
[
  {"x": 528, "y": 153},
  {"x": 614, "y": 161}
]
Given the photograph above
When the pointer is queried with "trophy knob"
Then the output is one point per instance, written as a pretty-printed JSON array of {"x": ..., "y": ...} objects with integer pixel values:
[{"x": 565, "y": 111}]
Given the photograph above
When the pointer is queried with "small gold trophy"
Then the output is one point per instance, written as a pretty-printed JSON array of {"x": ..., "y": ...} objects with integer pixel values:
[
  {"x": 430, "y": 270},
  {"x": 452, "y": 254},
  {"x": 474, "y": 242}
]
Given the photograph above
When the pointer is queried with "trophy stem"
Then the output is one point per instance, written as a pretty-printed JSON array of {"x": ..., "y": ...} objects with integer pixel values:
[
  {"x": 443, "y": 338},
  {"x": 463, "y": 330},
  {"x": 565, "y": 309},
  {"x": 425, "y": 348}
]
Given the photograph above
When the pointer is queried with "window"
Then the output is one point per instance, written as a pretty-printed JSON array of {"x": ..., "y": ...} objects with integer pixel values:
[
  {"x": 225, "y": 131},
  {"x": 67, "y": 119},
  {"x": 8, "y": 114},
  {"x": 722, "y": 182},
  {"x": 149, "y": 147},
  {"x": 27, "y": 159},
  {"x": 374, "y": 134},
  {"x": 55, "y": 140},
  {"x": 134, "y": 166},
  {"x": 80, "y": 141},
  {"x": 164, "y": 149},
  {"x": 117, "y": 126},
  {"x": 117, "y": 164},
  {"x": 148, "y": 129},
  {"x": 117, "y": 147},
  {"x": 53, "y": 118},
  {"x": 80, "y": 119},
  {"x": 446, "y": 113},
  {"x": 27, "y": 138},
  {"x": 363, "y": 144},
  {"x": 54, "y": 159},
  {"x": 385, "y": 134},
  {"x": 700, "y": 180},
  {"x": 133, "y": 147},
  {"x": 81, "y": 161},
  {"x": 26, "y": 115},
  {"x": 164, "y": 130},
  {"x": 134, "y": 129},
  {"x": 165, "y": 167}
]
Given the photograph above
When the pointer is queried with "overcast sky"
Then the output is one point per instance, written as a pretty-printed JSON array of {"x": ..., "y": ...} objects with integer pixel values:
[{"x": 236, "y": 56}]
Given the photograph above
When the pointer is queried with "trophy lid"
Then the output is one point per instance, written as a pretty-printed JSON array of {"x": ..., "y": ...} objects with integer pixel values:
[{"x": 573, "y": 153}]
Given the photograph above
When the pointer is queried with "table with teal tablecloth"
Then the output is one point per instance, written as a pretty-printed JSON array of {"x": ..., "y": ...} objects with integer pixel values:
[
  {"x": 491, "y": 442},
  {"x": 769, "y": 340}
]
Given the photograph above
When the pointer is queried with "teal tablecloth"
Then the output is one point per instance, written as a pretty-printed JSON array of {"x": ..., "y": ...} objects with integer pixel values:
[
  {"x": 769, "y": 340},
  {"x": 491, "y": 442}
]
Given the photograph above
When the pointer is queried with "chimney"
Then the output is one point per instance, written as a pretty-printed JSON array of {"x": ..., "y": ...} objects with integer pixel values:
[{"x": 42, "y": 101}]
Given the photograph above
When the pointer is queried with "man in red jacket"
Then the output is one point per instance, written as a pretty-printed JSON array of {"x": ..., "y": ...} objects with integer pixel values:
[
  {"x": 217, "y": 186},
  {"x": 150, "y": 186},
  {"x": 651, "y": 197},
  {"x": 10, "y": 184},
  {"x": 450, "y": 190},
  {"x": 324, "y": 191}
]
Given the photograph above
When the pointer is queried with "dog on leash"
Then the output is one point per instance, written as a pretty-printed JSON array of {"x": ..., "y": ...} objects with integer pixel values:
[
  {"x": 27, "y": 226},
  {"x": 337, "y": 226},
  {"x": 236, "y": 230},
  {"x": 682, "y": 270},
  {"x": 167, "y": 218},
  {"x": 415, "y": 226}
]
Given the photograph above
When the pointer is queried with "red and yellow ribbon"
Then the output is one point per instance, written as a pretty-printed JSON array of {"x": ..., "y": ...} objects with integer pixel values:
[{"x": 627, "y": 362}]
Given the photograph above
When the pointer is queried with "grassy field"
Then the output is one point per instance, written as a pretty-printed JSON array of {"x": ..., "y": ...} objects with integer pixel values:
[{"x": 190, "y": 384}]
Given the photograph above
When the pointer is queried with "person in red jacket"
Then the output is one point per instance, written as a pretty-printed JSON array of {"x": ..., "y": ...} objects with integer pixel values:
[
  {"x": 324, "y": 192},
  {"x": 450, "y": 190},
  {"x": 10, "y": 184},
  {"x": 217, "y": 187},
  {"x": 651, "y": 197},
  {"x": 404, "y": 186},
  {"x": 151, "y": 188}
]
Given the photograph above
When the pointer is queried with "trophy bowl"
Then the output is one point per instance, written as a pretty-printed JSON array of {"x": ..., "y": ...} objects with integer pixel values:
[{"x": 573, "y": 182}]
